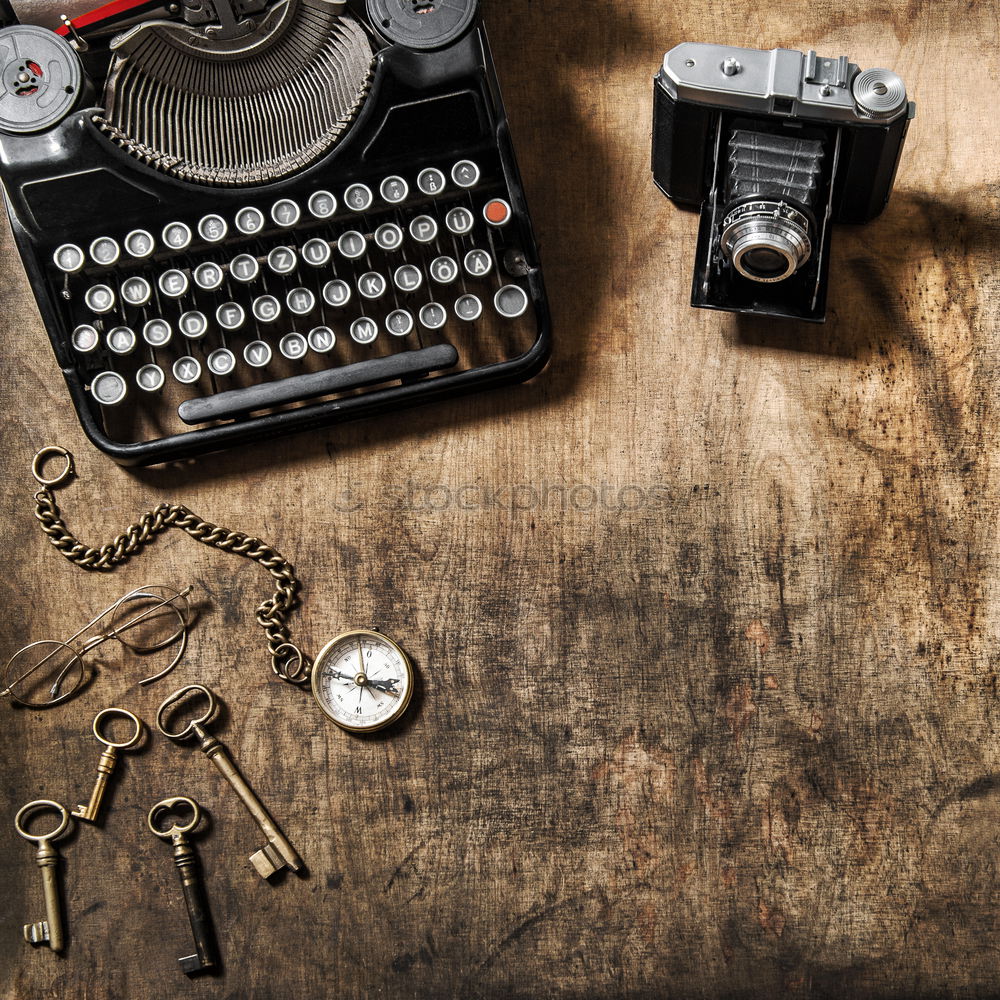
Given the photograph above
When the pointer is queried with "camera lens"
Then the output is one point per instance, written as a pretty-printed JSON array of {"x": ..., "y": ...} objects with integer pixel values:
[{"x": 766, "y": 241}]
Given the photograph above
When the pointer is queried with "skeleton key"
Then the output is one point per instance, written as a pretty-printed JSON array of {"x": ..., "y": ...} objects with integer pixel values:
[
  {"x": 50, "y": 930},
  {"x": 186, "y": 861},
  {"x": 106, "y": 765},
  {"x": 278, "y": 852}
]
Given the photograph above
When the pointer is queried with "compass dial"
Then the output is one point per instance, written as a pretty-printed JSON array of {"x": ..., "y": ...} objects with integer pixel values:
[{"x": 362, "y": 680}]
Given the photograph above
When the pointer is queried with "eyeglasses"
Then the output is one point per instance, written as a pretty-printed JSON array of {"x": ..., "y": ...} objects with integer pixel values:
[{"x": 49, "y": 672}]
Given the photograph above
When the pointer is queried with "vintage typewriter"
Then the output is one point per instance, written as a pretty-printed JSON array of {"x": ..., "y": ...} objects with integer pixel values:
[{"x": 242, "y": 218}]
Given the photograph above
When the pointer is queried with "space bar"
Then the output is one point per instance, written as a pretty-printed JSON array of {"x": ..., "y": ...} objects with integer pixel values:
[{"x": 233, "y": 403}]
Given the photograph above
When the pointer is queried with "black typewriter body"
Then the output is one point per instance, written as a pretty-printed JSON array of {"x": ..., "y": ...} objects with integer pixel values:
[{"x": 399, "y": 266}]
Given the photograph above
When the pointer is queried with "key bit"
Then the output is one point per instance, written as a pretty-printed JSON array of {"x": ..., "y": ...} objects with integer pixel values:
[
  {"x": 189, "y": 871},
  {"x": 50, "y": 930},
  {"x": 278, "y": 852},
  {"x": 109, "y": 758}
]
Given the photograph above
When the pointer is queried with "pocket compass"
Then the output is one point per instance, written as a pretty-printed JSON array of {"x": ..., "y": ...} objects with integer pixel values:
[{"x": 362, "y": 680}]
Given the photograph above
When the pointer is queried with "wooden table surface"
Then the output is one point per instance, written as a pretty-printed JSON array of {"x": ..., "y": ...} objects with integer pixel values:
[{"x": 705, "y": 617}]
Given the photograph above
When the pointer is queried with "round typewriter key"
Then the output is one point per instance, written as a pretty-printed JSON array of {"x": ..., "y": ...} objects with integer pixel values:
[
  {"x": 465, "y": 174},
  {"x": 477, "y": 263},
  {"x": 266, "y": 308},
  {"x": 351, "y": 244},
  {"x": 321, "y": 339},
  {"x": 459, "y": 221},
  {"x": 321, "y": 205},
  {"x": 497, "y": 212},
  {"x": 433, "y": 315},
  {"x": 336, "y": 293},
  {"x": 468, "y": 307},
  {"x": 68, "y": 258},
  {"x": 150, "y": 378},
  {"x": 364, "y": 330},
  {"x": 187, "y": 370},
  {"x": 511, "y": 301},
  {"x": 230, "y": 316},
  {"x": 85, "y": 338},
  {"x": 285, "y": 212},
  {"x": 430, "y": 181},
  {"x": 249, "y": 221},
  {"x": 316, "y": 252},
  {"x": 221, "y": 361},
  {"x": 173, "y": 283},
  {"x": 157, "y": 333},
  {"x": 121, "y": 340},
  {"x": 358, "y": 197},
  {"x": 394, "y": 189},
  {"x": 257, "y": 354},
  {"x": 371, "y": 285},
  {"x": 208, "y": 276},
  {"x": 300, "y": 301},
  {"x": 293, "y": 346},
  {"x": 244, "y": 267},
  {"x": 282, "y": 260},
  {"x": 408, "y": 278},
  {"x": 108, "y": 388},
  {"x": 389, "y": 236},
  {"x": 176, "y": 235},
  {"x": 99, "y": 299},
  {"x": 104, "y": 251},
  {"x": 399, "y": 322},
  {"x": 139, "y": 244},
  {"x": 212, "y": 228},
  {"x": 136, "y": 291},
  {"x": 193, "y": 324},
  {"x": 423, "y": 229},
  {"x": 444, "y": 270}
]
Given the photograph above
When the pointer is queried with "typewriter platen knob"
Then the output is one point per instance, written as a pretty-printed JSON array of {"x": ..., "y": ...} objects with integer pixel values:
[{"x": 41, "y": 79}]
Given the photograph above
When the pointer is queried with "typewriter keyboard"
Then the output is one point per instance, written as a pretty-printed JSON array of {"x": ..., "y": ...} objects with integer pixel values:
[{"x": 194, "y": 320}]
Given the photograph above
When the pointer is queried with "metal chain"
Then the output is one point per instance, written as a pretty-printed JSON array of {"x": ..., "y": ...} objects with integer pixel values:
[{"x": 287, "y": 660}]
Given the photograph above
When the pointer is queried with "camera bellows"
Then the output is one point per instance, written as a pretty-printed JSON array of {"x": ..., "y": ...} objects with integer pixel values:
[
  {"x": 773, "y": 166},
  {"x": 242, "y": 110}
]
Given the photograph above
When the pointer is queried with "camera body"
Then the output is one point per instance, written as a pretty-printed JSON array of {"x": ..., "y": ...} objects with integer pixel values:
[{"x": 773, "y": 146}]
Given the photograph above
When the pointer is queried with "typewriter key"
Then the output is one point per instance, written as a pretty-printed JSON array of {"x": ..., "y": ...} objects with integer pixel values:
[
  {"x": 173, "y": 283},
  {"x": 244, "y": 268},
  {"x": 176, "y": 235},
  {"x": 433, "y": 316},
  {"x": 322, "y": 205},
  {"x": 364, "y": 330},
  {"x": 336, "y": 293},
  {"x": 230, "y": 316},
  {"x": 430, "y": 181},
  {"x": 85, "y": 338},
  {"x": 108, "y": 388},
  {"x": 249, "y": 220},
  {"x": 221, "y": 361},
  {"x": 477, "y": 263},
  {"x": 316, "y": 252},
  {"x": 389, "y": 236},
  {"x": 469, "y": 308},
  {"x": 459, "y": 221},
  {"x": 322, "y": 339},
  {"x": 444, "y": 270},
  {"x": 465, "y": 174},
  {"x": 193, "y": 324},
  {"x": 136, "y": 291},
  {"x": 497, "y": 212},
  {"x": 282, "y": 260},
  {"x": 300, "y": 301},
  {"x": 351, "y": 244},
  {"x": 511, "y": 301},
  {"x": 371, "y": 285},
  {"x": 150, "y": 378},
  {"x": 394, "y": 189},
  {"x": 187, "y": 370},
  {"x": 408, "y": 278},
  {"x": 104, "y": 251},
  {"x": 157, "y": 333},
  {"x": 399, "y": 322},
  {"x": 358, "y": 197},
  {"x": 293, "y": 346},
  {"x": 121, "y": 340},
  {"x": 139, "y": 244},
  {"x": 266, "y": 308},
  {"x": 257, "y": 354},
  {"x": 285, "y": 212},
  {"x": 68, "y": 258},
  {"x": 423, "y": 229},
  {"x": 99, "y": 299},
  {"x": 212, "y": 228},
  {"x": 208, "y": 276}
]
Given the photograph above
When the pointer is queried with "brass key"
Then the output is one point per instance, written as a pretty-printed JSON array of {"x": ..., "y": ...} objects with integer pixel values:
[
  {"x": 278, "y": 852},
  {"x": 106, "y": 765},
  {"x": 189, "y": 870},
  {"x": 50, "y": 930}
]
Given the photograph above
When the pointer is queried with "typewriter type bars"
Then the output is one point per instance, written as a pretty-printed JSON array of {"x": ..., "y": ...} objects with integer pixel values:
[{"x": 284, "y": 301}]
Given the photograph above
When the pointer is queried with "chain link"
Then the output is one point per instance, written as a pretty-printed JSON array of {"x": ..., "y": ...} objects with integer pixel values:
[{"x": 287, "y": 660}]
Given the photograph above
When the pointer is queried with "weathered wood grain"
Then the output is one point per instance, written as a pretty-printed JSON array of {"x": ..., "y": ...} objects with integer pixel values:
[{"x": 706, "y": 617}]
